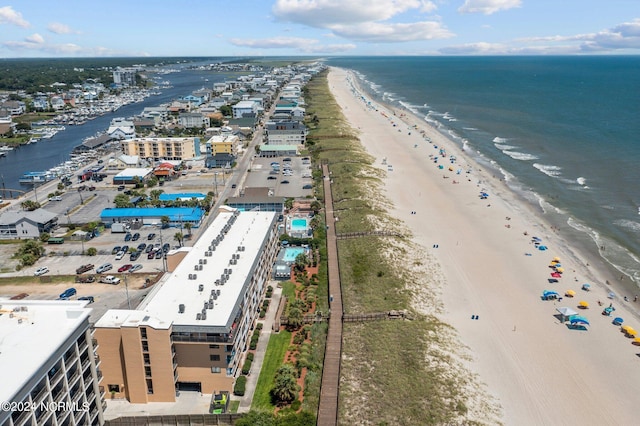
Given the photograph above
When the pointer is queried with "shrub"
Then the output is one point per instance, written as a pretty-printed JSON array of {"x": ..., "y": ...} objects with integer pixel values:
[
  {"x": 250, "y": 356},
  {"x": 299, "y": 338},
  {"x": 259, "y": 326},
  {"x": 269, "y": 288},
  {"x": 246, "y": 367},
  {"x": 263, "y": 313},
  {"x": 240, "y": 386},
  {"x": 254, "y": 343},
  {"x": 295, "y": 405},
  {"x": 92, "y": 251},
  {"x": 265, "y": 304}
]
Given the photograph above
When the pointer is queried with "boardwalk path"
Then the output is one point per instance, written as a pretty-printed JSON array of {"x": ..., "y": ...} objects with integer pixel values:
[{"x": 328, "y": 407}]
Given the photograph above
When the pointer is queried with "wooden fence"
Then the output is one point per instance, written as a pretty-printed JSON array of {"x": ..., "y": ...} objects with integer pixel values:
[{"x": 176, "y": 420}]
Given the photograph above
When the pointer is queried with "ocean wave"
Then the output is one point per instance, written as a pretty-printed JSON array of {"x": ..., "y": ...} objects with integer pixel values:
[
  {"x": 549, "y": 170},
  {"x": 499, "y": 140},
  {"x": 628, "y": 224},
  {"x": 449, "y": 117},
  {"x": 413, "y": 108},
  {"x": 522, "y": 156},
  {"x": 581, "y": 181},
  {"x": 503, "y": 147},
  {"x": 470, "y": 128}
]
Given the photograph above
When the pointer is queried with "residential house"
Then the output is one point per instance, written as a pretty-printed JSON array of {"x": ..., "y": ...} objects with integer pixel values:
[
  {"x": 26, "y": 224},
  {"x": 193, "y": 120},
  {"x": 121, "y": 128}
]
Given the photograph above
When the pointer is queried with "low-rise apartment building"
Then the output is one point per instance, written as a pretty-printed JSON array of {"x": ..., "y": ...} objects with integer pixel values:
[{"x": 156, "y": 149}]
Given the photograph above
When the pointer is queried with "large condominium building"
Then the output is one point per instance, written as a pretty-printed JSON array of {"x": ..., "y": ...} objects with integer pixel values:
[
  {"x": 48, "y": 369},
  {"x": 155, "y": 149},
  {"x": 223, "y": 144},
  {"x": 191, "y": 331},
  {"x": 124, "y": 76}
]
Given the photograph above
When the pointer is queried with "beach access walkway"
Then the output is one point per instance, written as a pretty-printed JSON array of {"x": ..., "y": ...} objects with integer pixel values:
[{"x": 328, "y": 406}]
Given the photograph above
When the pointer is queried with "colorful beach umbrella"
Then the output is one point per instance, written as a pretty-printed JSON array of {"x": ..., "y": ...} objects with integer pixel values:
[
  {"x": 560, "y": 270},
  {"x": 570, "y": 293},
  {"x": 636, "y": 341},
  {"x": 583, "y": 304},
  {"x": 556, "y": 259}
]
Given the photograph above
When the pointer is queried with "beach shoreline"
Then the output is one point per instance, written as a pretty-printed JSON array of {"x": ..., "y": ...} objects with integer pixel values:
[{"x": 493, "y": 272}]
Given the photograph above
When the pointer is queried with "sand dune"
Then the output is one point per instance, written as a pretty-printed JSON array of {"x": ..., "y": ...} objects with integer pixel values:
[{"x": 541, "y": 371}]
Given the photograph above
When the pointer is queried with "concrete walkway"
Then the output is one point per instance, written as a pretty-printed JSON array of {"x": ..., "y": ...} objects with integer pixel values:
[{"x": 263, "y": 342}]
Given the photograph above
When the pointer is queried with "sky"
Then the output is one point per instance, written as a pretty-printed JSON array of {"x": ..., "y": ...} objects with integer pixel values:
[{"x": 319, "y": 28}]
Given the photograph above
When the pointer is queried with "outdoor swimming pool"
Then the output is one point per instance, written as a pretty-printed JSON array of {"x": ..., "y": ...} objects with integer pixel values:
[
  {"x": 290, "y": 253},
  {"x": 299, "y": 224}
]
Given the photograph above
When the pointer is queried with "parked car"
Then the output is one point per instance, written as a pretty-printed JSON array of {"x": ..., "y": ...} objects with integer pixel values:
[
  {"x": 116, "y": 249},
  {"x": 135, "y": 237},
  {"x": 125, "y": 268},
  {"x": 110, "y": 279},
  {"x": 84, "y": 268},
  {"x": 307, "y": 186},
  {"x": 149, "y": 248},
  {"x": 121, "y": 188},
  {"x": 19, "y": 296},
  {"x": 65, "y": 295},
  {"x": 85, "y": 279},
  {"x": 134, "y": 256},
  {"x": 166, "y": 247},
  {"x": 152, "y": 254},
  {"x": 128, "y": 236},
  {"x": 234, "y": 186},
  {"x": 56, "y": 198},
  {"x": 104, "y": 268},
  {"x": 159, "y": 254},
  {"x": 89, "y": 298},
  {"x": 142, "y": 246},
  {"x": 120, "y": 255},
  {"x": 285, "y": 181},
  {"x": 41, "y": 271},
  {"x": 135, "y": 267},
  {"x": 271, "y": 177},
  {"x": 151, "y": 236}
]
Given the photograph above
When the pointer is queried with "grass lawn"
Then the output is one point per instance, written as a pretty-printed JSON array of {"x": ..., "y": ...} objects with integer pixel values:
[
  {"x": 233, "y": 406},
  {"x": 274, "y": 357}
]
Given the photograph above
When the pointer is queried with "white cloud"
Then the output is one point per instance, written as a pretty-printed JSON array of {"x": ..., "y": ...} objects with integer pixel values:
[
  {"x": 305, "y": 45},
  {"x": 326, "y": 13},
  {"x": 59, "y": 28},
  {"x": 10, "y": 16},
  {"x": 393, "y": 33},
  {"x": 35, "y": 38},
  {"x": 488, "y": 7}
]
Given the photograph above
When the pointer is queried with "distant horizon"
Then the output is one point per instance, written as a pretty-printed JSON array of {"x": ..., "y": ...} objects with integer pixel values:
[{"x": 34, "y": 29}]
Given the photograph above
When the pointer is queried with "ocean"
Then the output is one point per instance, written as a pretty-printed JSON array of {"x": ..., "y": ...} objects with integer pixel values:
[{"x": 564, "y": 132}]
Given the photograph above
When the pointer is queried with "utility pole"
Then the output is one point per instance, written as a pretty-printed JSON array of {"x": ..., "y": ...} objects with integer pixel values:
[{"x": 126, "y": 288}]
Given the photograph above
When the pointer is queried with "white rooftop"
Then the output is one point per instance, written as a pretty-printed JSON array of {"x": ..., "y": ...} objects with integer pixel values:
[
  {"x": 249, "y": 231},
  {"x": 133, "y": 172},
  {"x": 116, "y": 318},
  {"x": 31, "y": 335}
]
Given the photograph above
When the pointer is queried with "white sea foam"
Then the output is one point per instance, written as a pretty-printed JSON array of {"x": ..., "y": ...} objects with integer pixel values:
[
  {"x": 470, "y": 128},
  {"x": 628, "y": 224},
  {"x": 581, "y": 181},
  {"x": 449, "y": 117},
  {"x": 520, "y": 155},
  {"x": 499, "y": 140},
  {"x": 503, "y": 147},
  {"x": 549, "y": 170}
]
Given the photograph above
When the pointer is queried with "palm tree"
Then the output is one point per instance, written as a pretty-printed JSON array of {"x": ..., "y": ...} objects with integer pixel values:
[
  {"x": 178, "y": 237},
  {"x": 286, "y": 386},
  {"x": 165, "y": 221},
  {"x": 188, "y": 227}
]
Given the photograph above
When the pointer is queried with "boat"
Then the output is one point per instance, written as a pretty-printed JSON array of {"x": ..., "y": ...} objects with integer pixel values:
[{"x": 36, "y": 177}]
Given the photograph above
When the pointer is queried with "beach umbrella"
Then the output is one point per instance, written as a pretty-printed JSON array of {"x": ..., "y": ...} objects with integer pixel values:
[
  {"x": 611, "y": 295},
  {"x": 536, "y": 239},
  {"x": 636, "y": 341},
  {"x": 578, "y": 319},
  {"x": 618, "y": 321},
  {"x": 556, "y": 275},
  {"x": 570, "y": 293},
  {"x": 586, "y": 287},
  {"x": 626, "y": 327},
  {"x": 566, "y": 312},
  {"x": 560, "y": 270},
  {"x": 543, "y": 248},
  {"x": 556, "y": 259},
  {"x": 631, "y": 332},
  {"x": 583, "y": 304}
]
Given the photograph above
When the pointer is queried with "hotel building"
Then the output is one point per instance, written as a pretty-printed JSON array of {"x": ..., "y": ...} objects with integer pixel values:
[
  {"x": 48, "y": 366},
  {"x": 192, "y": 329},
  {"x": 156, "y": 149}
]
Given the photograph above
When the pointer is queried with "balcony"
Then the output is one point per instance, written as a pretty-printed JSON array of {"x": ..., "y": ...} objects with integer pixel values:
[
  {"x": 94, "y": 343},
  {"x": 97, "y": 359},
  {"x": 99, "y": 373},
  {"x": 40, "y": 396},
  {"x": 102, "y": 391}
]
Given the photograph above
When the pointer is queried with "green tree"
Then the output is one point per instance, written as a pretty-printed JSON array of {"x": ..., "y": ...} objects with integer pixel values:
[
  {"x": 301, "y": 262},
  {"x": 44, "y": 237},
  {"x": 188, "y": 227},
  {"x": 178, "y": 237},
  {"x": 29, "y": 205},
  {"x": 288, "y": 203},
  {"x": 295, "y": 318},
  {"x": 285, "y": 387},
  {"x": 316, "y": 206},
  {"x": 92, "y": 251},
  {"x": 165, "y": 221},
  {"x": 155, "y": 194},
  {"x": 29, "y": 252},
  {"x": 226, "y": 110},
  {"x": 121, "y": 201}
]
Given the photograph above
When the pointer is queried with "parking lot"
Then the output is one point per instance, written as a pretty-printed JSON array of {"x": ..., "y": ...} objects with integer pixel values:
[{"x": 296, "y": 184}]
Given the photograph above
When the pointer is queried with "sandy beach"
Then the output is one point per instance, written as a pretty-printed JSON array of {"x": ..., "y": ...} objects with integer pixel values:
[{"x": 539, "y": 370}]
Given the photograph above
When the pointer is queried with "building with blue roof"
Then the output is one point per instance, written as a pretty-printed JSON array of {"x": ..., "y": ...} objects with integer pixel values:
[
  {"x": 182, "y": 196},
  {"x": 178, "y": 216}
]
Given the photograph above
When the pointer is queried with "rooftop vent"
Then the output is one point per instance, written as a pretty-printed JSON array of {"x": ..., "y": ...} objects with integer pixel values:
[
  {"x": 195, "y": 267},
  {"x": 200, "y": 287},
  {"x": 198, "y": 316},
  {"x": 204, "y": 315},
  {"x": 181, "y": 308}
]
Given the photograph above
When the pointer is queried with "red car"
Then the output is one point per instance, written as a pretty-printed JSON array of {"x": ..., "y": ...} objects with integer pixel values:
[{"x": 125, "y": 268}]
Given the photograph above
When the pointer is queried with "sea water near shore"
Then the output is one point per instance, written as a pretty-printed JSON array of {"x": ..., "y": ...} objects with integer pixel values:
[{"x": 561, "y": 131}]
